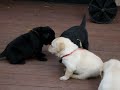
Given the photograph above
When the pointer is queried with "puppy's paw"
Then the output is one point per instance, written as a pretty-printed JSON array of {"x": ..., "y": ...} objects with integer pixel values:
[
  {"x": 17, "y": 62},
  {"x": 42, "y": 55},
  {"x": 43, "y": 59},
  {"x": 64, "y": 78},
  {"x": 60, "y": 61}
]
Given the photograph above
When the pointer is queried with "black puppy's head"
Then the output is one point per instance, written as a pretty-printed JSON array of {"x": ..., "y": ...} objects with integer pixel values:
[{"x": 46, "y": 34}]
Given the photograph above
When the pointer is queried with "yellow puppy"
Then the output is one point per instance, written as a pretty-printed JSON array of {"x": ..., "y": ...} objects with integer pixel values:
[
  {"x": 83, "y": 63},
  {"x": 111, "y": 75}
]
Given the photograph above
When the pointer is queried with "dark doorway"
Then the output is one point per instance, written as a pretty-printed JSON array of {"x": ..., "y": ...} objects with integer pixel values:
[
  {"x": 62, "y": 1},
  {"x": 68, "y": 1}
]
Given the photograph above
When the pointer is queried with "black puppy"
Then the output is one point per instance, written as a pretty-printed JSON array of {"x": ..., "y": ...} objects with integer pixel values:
[
  {"x": 78, "y": 35},
  {"x": 28, "y": 45}
]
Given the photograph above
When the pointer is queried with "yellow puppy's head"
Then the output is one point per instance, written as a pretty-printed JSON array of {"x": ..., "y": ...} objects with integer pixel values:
[{"x": 61, "y": 44}]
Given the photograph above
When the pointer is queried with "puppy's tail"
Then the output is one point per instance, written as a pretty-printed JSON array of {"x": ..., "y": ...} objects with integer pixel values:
[
  {"x": 2, "y": 55},
  {"x": 83, "y": 23}
]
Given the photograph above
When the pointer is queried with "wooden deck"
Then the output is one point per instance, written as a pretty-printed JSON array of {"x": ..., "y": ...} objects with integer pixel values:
[{"x": 19, "y": 17}]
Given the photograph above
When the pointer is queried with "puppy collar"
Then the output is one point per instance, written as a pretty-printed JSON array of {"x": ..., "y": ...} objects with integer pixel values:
[
  {"x": 36, "y": 33},
  {"x": 71, "y": 52},
  {"x": 80, "y": 43}
]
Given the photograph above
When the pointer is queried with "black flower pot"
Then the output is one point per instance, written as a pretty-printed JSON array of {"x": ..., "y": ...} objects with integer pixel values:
[{"x": 102, "y": 11}]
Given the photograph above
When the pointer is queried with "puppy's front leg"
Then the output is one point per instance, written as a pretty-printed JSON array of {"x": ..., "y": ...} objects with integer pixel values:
[
  {"x": 67, "y": 75},
  {"x": 40, "y": 56},
  {"x": 80, "y": 76}
]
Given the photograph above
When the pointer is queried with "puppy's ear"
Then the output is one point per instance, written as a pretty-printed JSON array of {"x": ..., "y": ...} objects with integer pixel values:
[
  {"x": 61, "y": 46},
  {"x": 46, "y": 35}
]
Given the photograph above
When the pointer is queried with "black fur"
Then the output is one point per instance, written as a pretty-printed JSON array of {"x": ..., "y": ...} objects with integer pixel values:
[
  {"x": 77, "y": 34},
  {"x": 28, "y": 45}
]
